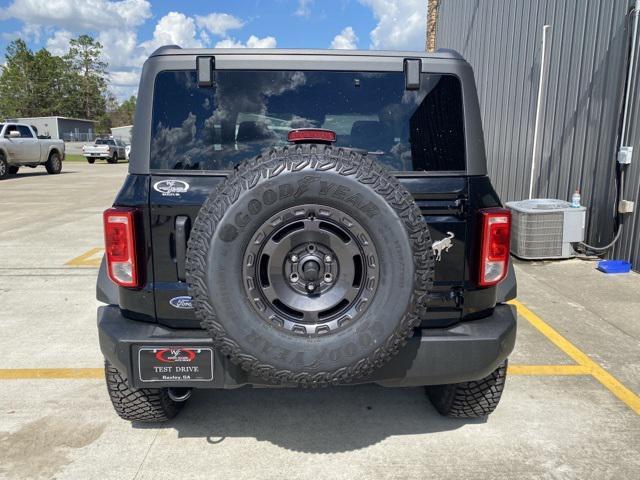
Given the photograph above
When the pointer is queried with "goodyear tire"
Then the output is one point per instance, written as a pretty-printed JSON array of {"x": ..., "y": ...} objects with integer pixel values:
[{"x": 301, "y": 217}]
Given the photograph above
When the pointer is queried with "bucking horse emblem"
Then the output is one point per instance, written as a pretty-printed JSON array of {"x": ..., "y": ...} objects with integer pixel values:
[{"x": 442, "y": 245}]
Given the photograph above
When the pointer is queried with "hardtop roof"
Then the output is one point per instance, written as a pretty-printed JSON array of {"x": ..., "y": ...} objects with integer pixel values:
[{"x": 442, "y": 54}]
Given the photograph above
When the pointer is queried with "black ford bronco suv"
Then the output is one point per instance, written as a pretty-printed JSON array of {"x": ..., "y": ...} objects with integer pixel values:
[{"x": 306, "y": 218}]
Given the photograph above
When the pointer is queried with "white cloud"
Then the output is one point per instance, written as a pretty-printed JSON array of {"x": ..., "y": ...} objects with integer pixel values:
[
  {"x": 252, "y": 42},
  {"x": 114, "y": 23},
  {"x": 219, "y": 23},
  {"x": 121, "y": 48},
  {"x": 266, "y": 42},
  {"x": 26, "y": 33},
  {"x": 401, "y": 24},
  {"x": 345, "y": 40},
  {"x": 204, "y": 37},
  {"x": 124, "y": 92},
  {"x": 125, "y": 79},
  {"x": 173, "y": 29},
  {"x": 59, "y": 43},
  {"x": 11, "y": 36},
  {"x": 229, "y": 43},
  {"x": 79, "y": 15},
  {"x": 304, "y": 8}
]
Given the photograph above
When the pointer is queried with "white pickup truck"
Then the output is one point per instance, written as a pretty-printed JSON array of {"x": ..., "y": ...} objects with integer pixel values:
[
  {"x": 110, "y": 149},
  {"x": 21, "y": 147}
]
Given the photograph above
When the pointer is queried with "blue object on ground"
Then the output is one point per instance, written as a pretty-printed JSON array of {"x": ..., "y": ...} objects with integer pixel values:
[{"x": 614, "y": 266}]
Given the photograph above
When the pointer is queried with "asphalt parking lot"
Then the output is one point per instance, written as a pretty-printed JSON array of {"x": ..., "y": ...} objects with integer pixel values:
[{"x": 570, "y": 410}]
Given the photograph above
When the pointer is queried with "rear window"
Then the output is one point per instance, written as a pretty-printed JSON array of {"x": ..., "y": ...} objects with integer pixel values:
[
  {"x": 104, "y": 141},
  {"x": 246, "y": 111}
]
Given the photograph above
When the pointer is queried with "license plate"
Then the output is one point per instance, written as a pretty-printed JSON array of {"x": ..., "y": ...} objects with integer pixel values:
[{"x": 175, "y": 364}]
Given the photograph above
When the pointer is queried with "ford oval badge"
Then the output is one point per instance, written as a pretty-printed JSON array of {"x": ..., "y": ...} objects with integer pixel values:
[{"x": 183, "y": 303}]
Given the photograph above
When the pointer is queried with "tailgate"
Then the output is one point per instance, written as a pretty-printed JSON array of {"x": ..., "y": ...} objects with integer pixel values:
[
  {"x": 96, "y": 150},
  {"x": 176, "y": 200}
]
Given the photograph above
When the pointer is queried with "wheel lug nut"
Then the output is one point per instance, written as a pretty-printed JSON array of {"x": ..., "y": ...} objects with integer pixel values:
[
  {"x": 328, "y": 277},
  {"x": 328, "y": 259},
  {"x": 294, "y": 258},
  {"x": 311, "y": 287},
  {"x": 293, "y": 278}
]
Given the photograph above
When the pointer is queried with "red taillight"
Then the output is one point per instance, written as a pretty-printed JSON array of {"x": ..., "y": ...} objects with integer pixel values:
[
  {"x": 311, "y": 135},
  {"x": 495, "y": 224},
  {"x": 120, "y": 246}
]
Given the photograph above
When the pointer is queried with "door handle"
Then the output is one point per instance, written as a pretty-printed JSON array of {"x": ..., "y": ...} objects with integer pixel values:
[{"x": 183, "y": 226}]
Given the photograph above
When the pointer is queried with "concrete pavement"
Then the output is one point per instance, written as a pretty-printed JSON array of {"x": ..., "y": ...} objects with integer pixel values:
[{"x": 547, "y": 426}]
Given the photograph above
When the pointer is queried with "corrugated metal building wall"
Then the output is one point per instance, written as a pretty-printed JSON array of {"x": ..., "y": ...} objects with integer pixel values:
[{"x": 582, "y": 100}]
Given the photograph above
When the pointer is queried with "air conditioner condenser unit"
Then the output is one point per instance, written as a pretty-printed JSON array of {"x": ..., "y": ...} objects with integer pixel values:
[{"x": 545, "y": 228}]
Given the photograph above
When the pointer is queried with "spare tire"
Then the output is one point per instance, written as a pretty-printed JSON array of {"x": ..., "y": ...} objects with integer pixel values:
[{"x": 309, "y": 264}]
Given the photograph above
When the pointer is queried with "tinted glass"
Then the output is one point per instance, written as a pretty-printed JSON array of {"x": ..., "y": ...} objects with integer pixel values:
[
  {"x": 100, "y": 141},
  {"x": 25, "y": 132},
  {"x": 247, "y": 111}
]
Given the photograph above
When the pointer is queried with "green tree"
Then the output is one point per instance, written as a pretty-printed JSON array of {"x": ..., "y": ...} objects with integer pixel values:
[
  {"x": 117, "y": 114},
  {"x": 85, "y": 61},
  {"x": 16, "y": 98},
  {"x": 123, "y": 114},
  {"x": 50, "y": 84},
  {"x": 41, "y": 84},
  {"x": 32, "y": 84},
  {"x": 104, "y": 121}
]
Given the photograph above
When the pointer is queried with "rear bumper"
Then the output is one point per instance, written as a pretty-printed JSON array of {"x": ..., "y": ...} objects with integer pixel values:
[{"x": 466, "y": 351}]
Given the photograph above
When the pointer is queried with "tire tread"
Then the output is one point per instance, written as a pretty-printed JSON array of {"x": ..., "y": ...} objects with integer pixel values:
[
  {"x": 141, "y": 405},
  {"x": 473, "y": 399},
  {"x": 271, "y": 163}
]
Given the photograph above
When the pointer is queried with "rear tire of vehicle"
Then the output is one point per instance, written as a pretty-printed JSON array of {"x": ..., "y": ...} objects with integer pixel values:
[
  {"x": 113, "y": 159},
  {"x": 474, "y": 399},
  {"x": 54, "y": 164},
  {"x": 4, "y": 167},
  {"x": 139, "y": 405},
  {"x": 91, "y": 160},
  {"x": 13, "y": 170}
]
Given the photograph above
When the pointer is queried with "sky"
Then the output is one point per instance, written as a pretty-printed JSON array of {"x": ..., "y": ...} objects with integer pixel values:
[{"x": 130, "y": 30}]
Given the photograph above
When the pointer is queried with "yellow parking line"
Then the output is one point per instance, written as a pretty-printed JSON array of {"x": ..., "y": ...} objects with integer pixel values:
[
  {"x": 605, "y": 378},
  {"x": 85, "y": 259},
  {"x": 548, "y": 370},
  {"x": 585, "y": 365},
  {"x": 50, "y": 373}
]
